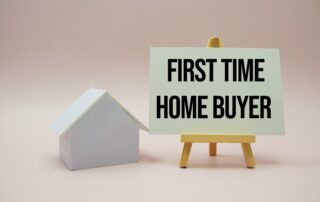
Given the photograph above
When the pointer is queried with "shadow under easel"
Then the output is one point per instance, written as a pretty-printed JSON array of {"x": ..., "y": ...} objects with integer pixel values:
[{"x": 229, "y": 161}]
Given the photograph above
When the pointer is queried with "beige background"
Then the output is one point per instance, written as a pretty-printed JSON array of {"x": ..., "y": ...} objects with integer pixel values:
[{"x": 52, "y": 51}]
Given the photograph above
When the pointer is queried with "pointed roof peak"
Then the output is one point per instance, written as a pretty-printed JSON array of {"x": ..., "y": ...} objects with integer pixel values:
[{"x": 81, "y": 106}]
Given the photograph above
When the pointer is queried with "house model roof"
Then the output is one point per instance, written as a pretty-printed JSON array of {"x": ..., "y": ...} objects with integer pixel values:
[{"x": 82, "y": 105}]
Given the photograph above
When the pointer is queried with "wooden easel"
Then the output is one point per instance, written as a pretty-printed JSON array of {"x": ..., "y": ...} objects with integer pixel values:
[{"x": 213, "y": 139}]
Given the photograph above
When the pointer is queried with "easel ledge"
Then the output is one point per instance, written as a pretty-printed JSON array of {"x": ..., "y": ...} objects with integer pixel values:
[
  {"x": 229, "y": 138},
  {"x": 213, "y": 139}
]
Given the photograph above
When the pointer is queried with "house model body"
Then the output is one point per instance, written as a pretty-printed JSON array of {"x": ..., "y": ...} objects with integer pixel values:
[{"x": 97, "y": 131}]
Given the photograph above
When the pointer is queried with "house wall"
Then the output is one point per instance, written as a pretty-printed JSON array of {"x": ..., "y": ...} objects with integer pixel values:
[
  {"x": 64, "y": 149},
  {"x": 104, "y": 136}
]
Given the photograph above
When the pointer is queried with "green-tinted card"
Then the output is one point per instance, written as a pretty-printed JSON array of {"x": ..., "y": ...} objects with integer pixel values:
[{"x": 216, "y": 91}]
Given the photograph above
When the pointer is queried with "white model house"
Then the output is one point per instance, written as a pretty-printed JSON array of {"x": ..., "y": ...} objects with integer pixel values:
[{"x": 97, "y": 131}]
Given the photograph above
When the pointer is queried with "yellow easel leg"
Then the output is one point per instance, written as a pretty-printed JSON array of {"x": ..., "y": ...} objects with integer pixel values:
[
  {"x": 248, "y": 156},
  {"x": 185, "y": 154},
  {"x": 212, "y": 149}
]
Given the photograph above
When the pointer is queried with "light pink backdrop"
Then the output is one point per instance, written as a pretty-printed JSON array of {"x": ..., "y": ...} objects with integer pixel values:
[{"x": 52, "y": 51}]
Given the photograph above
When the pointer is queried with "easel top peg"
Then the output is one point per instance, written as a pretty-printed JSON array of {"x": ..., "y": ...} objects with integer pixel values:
[{"x": 214, "y": 42}]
